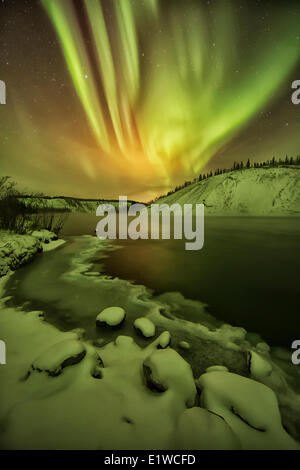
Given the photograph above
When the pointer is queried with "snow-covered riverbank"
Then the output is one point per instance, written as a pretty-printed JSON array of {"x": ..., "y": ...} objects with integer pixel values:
[
  {"x": 208, "y": 388},
  {"x": 60, "y": 392},
  {"x": 18, "y": 250}
]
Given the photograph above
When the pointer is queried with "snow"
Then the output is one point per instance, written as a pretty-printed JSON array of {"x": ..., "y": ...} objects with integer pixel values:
[
  {"x": 184, "y": 345},
  {"x": 122, "y": 410},
  {"x": 263, "y": 348},
  {"x": 255, "y": 191},
  {"x": 17, "y": 250},
  {"x": 217, "y": 369},
  {"x": 44, "y": 236},
  {"x": 201, "y": 430},
  {"x": 66, "y": 204},
  {"x": 164, "y": 340},
  {"x": 259, "y": 366},
  {"x": 92, "y": 395},
  {"x": 52, "y": 245},
  {"x": 75, "y": 410},
  {"x": 112, "y": 316},
  {"x": 145, "y": 327},
  {"x": 60, "y": 355},
  {"x": 166, "y": 371},
  {"x": 248, "y": 407}
]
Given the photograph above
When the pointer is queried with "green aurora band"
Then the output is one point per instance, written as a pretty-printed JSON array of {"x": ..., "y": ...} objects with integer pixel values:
[{"x": 176, "y": 83}]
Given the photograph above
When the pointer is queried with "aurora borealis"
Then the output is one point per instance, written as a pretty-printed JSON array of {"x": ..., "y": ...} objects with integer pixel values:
[{"x": 135, "y": 96}]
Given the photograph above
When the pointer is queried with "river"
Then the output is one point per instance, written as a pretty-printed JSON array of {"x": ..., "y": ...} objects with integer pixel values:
[{"x": 247, "y": 274}]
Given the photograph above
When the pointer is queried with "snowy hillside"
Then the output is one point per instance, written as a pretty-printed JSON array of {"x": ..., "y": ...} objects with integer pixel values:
[
  {"x": 65, "y": 203},
  {"x": 254, "y": 191}
]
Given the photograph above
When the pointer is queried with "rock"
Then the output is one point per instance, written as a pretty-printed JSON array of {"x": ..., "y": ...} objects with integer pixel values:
[
  {"x": 60, "y": 355},
  {"x": 153, "y": 384},
  {"x": 263, "y": 348},
  {"x": 92, "y": 274},
  {"x": 112, "y": 316},
  {"x": 164, "y": 340},
  {"x": 44, "y": 236},
  {"x": 145, "y": 327},
  {"x": 198, "y": 429},
  {"x": 97, "y": 373},
  {"x": 259, "y": 367},
  {"x": 248, "y": 407},
  {"x": 166, "y": 371},
  {"x": 184, "y": 345},
  {"x": 4, "y": 269},
  {"x": 217, "y": 369}
]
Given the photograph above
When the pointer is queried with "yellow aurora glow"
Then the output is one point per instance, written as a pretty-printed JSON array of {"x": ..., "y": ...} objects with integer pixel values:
[
  {"x": 191, "y": 99},
  {"x": 145, "y": 94}
]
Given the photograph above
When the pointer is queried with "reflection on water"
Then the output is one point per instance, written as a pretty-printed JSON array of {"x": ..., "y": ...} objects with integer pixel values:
[{"x": 247, "y": 272}]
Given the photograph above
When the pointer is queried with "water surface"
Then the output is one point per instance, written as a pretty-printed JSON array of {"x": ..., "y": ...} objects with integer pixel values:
[{"x": 247, "y": 274}]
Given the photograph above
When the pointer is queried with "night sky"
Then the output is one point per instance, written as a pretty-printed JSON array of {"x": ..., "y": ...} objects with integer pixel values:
[{"x": 132, "y": 97}]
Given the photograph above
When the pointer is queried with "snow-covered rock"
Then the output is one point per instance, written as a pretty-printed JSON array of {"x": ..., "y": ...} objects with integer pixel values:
[
  {"x": 248, "y": 407},
  {"x": 165, "y": 370},
  {"x": 17, "y": 250},
  {"x": 259, "y": 366},
  {"x": 217, "y": 369},
  {"x": 184, "y": 345},
  {"x": 145, "y": 326},
  {"x": 77, "y": 410},
  {"x": 112, "y": 316},
  {"x": 60, "y": 355},
  {"x": 263, "y": 348},
  {"x": 97, "y": 372},
  {"x": 198, "y": 429},
  {"x": 66, "y": 204},
  {"x": 164, "y": 340},
  {"x": 44, "y": 236}
]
